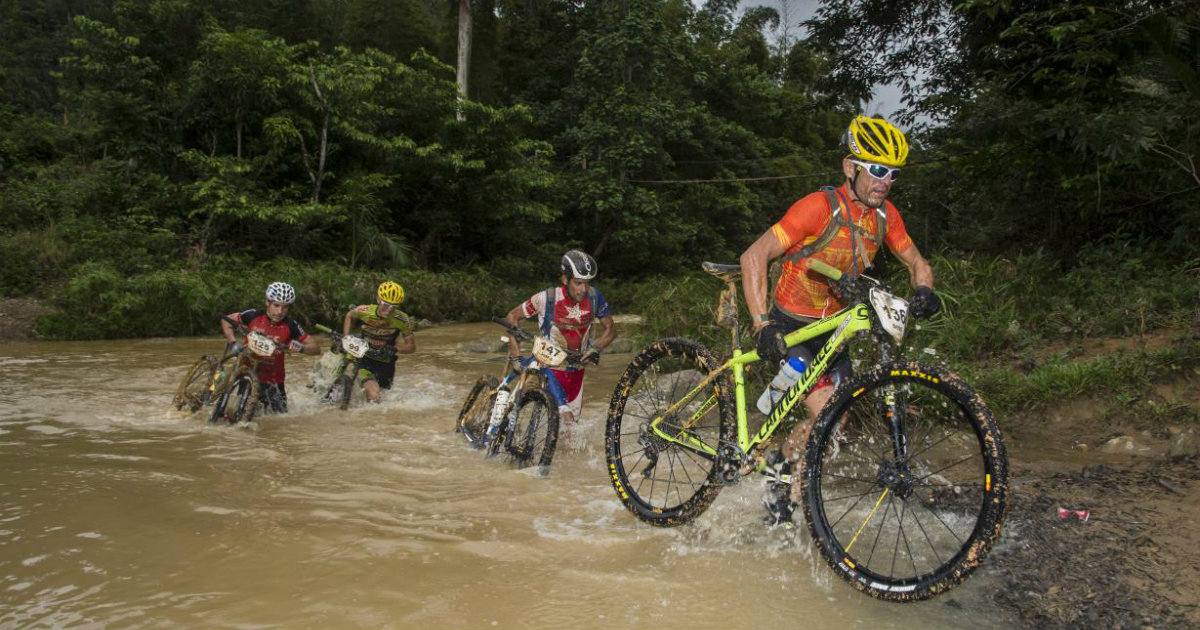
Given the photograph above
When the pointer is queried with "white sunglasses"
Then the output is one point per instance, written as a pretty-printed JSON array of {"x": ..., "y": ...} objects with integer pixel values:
[{"x": 878, "y": 171}]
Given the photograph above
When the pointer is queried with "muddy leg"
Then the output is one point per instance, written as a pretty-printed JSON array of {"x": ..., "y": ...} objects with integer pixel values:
[{"x": 797, "y": 440}]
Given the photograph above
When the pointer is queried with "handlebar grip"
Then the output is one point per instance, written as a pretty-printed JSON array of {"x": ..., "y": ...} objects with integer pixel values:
[
  {"x": 824, "y": 269},
  {"x": 323, "y": 328}
]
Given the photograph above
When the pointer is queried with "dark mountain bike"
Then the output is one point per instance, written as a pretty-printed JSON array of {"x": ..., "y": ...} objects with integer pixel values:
[
  {"x": 515, "y": 414},
  {"x": 352, "y": 349},
  {"x": 237, "y": 402}
]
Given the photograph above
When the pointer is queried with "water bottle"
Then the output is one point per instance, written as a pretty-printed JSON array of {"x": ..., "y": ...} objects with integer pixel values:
[
  {"x": 498, "y": 409},
  {"x": 788, "y": 374}
]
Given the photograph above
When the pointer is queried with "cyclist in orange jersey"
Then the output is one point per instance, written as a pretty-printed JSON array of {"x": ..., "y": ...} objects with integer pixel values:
[{"x": 844, "y": 227}]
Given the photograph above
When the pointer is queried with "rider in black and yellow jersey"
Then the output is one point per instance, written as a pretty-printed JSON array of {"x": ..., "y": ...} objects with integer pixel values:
[{"x": 388, "y": 331}]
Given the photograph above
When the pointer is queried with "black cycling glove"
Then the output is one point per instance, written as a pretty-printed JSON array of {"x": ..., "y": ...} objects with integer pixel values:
[
  {"x": 771, "y": 346},
  {"x": 924, "y": 303}
]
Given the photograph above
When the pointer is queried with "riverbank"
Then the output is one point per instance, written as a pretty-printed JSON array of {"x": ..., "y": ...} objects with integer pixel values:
[{"x": 17, "y": 318}]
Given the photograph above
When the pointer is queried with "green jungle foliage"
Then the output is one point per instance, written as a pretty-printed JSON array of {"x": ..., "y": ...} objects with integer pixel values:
[{"x": 172, "y": 156}]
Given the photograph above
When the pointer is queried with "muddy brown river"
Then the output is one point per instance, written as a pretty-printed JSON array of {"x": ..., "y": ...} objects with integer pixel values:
[{"x": 118, "y": 512}]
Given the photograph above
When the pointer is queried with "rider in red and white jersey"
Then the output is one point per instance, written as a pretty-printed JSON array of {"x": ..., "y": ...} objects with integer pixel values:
[
  {"x": 565, "y": 315},
  {"x": 273, "y": 321}
]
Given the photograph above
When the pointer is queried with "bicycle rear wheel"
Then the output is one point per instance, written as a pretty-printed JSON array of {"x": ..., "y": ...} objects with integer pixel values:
[
  {"x": 473, "y": 419},
  {"x": 532, "y": 432},
  {"x": 194, "y": 391},
  {"x": 905, "y": 522},
  {"x": 662, "y": 482}
]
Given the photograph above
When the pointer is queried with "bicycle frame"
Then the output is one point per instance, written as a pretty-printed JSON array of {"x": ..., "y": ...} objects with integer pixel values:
[
  {"x": 845, "y": 324},
  {"x": 529, "y": 367}
]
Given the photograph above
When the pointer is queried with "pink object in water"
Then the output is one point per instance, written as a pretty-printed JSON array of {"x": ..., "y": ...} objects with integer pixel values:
[{"x": 1064, "y": 513}]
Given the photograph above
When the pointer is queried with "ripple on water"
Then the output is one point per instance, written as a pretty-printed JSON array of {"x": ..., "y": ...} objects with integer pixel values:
[
  {"x": 219, "y": 511},
  {"x": 46, "y": 429},
  {"x": 10, "y": 361},
  {"x": 249, "y": 454},
  {"x": 110, "y": 456}
]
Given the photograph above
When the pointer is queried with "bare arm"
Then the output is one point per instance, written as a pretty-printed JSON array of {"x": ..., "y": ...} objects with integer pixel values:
[
  {"x": 227, "y": 329},
  {"x": 514, "y": 317},
  {"x": 406, "y": 344},
  {"x": 348, "y": 322},
  {"x": 919, "y": 269},
  {"x": 755, "y": 260},
  {"x": 310, "y": 346},
  {"x": 610, "y": 333}
]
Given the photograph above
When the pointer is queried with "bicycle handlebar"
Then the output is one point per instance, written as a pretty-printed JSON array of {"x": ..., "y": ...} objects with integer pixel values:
[
  {"x": 243, "y": 330},
  {"x": 521, "y": 335},
  {"x": 238, "y": 326}
]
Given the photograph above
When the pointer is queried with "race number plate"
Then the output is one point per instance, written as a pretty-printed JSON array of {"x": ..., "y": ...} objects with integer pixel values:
[
  {"x": 892, "y": 311},
  {"x": 355, "y": 346},
  {"x": 548, "y": 353},
  {"x": 260, "y": 344}
]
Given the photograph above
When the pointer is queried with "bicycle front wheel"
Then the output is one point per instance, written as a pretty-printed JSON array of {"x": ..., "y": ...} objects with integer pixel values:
[
  {"x": 194, "y": 389},
  {"x": 532, "y": 431},
  {"x": 661, "y": 481},
  {"x": 247, "y": 389},
  {"x": 344, "y": 388},
  {"x": 906, "y": 481},
  {"x": 473, "y": 419}
]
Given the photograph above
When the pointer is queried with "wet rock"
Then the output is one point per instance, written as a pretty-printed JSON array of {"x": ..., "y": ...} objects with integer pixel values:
[
  {"x": 1183, "y": 444},
  {"x": 1125, "y": 445}
]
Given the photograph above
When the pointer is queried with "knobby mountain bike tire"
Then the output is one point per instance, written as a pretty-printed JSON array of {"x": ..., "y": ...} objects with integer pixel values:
[
  {"x": 193, "y": 392},
  {"x": 344, "y": 386},
  {"x": 246, "y": 390},
  {"x": 476, "y": 411},
  {"x": 237, "y": 403},
  {"x": 531, "y": 434},
  {"x": 905, "y": 528},
  {"x": 662, "y": 482}
]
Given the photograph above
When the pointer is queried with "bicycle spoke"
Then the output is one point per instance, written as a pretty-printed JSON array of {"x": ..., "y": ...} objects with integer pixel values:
[{"x": 910, "y": 518}]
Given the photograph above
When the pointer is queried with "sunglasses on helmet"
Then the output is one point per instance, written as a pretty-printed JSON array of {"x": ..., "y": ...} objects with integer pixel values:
[{"x": 878, "y": 171}]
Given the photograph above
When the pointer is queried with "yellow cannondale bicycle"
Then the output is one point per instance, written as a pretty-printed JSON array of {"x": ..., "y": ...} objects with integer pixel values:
[{"x": 904, "y": 474}]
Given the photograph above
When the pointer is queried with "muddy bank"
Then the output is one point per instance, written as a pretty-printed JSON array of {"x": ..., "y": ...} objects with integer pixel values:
[
  {"x": 17, "y": 317},
  {"x": 1133, "y": 563}
]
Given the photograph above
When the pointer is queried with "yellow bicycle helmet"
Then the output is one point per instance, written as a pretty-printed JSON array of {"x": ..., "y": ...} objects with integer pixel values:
[
  {"x": 876, "y": 140},
  {"x": 391, "y": 293}
]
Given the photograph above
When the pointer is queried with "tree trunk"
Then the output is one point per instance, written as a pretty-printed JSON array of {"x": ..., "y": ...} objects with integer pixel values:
[
  {"x": 464, "y": 50},
  {"x": 323, "y": 149}
]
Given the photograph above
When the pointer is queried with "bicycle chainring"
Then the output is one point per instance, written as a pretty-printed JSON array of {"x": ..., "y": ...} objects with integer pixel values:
[{"x": 729, "y": 462}]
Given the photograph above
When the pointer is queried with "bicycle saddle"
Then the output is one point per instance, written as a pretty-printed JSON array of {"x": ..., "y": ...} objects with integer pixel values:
[{"x": 727, "y": 273}]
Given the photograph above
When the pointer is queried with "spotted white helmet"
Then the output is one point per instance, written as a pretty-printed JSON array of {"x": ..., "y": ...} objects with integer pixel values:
[
  {"x": 281, "y": 292},
  {"x": 576, "y": 264}
]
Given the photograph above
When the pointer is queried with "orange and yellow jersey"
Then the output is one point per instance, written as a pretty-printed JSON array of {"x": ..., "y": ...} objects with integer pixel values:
[{"x": 803, "y": 292}]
